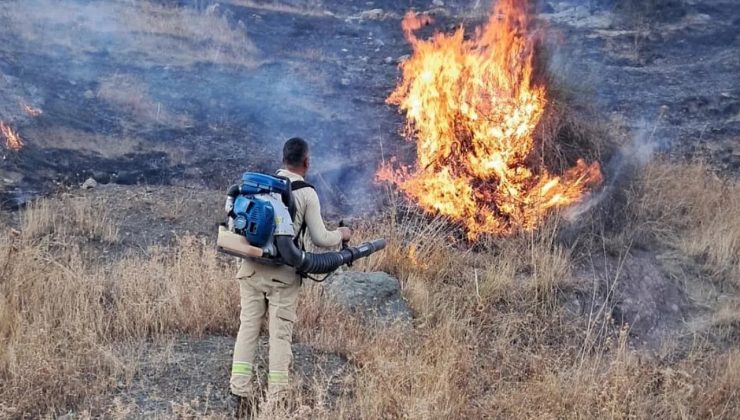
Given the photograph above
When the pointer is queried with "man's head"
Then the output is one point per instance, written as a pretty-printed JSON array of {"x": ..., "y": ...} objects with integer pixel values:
[{"x": 295, "y": 155}]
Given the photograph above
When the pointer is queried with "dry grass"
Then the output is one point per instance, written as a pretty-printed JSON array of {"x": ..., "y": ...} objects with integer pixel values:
[
  {"x": 299, "y": 7},
  {"x": 491, "y": 335},
  {"x": 67, "y": 218},
  {"x": 65, "y": 314},
  {"x": 71, "y": 139},
  {"x": 150, "y": 33},
  {"x": 106, "y": 146},
  {"x": 688, "y": 208},
  {"x": 187, "y": 36},
  {"x": 131, "y": 95}
]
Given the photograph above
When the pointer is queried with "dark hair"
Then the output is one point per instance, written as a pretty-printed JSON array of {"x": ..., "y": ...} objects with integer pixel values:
[{"x": 295, "y": 151}]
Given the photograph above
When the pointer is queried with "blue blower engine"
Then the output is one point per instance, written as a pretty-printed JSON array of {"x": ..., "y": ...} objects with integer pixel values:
[{"x": 260, "y": 226}]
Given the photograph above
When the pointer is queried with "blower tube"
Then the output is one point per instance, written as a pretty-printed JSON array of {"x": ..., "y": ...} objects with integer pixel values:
[{"x": 308, "y": 262}]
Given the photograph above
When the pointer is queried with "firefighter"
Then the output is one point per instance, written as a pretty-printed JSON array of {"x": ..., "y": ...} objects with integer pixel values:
[{"x": 273, "y": 290}]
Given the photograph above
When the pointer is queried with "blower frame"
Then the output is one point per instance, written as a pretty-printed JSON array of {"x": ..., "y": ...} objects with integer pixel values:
[{"x": 272, "y": 241}]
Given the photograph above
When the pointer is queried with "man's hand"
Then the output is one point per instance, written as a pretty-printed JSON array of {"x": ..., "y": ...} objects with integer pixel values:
[{"x": 346, "y": 233}]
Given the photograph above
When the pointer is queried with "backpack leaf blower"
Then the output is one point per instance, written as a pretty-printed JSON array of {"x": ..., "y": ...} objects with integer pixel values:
[{"x": 261, "y": 211}]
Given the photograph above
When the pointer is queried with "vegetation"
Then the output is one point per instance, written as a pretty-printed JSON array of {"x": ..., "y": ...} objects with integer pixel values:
[{"x": 493, "y": 335}]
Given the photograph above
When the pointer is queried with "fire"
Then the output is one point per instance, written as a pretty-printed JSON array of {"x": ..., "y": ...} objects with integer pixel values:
[
  {"x": 34, "y": 112},
  {"x": 12, "y": 139},
  {"x": 472, "y": 108}
]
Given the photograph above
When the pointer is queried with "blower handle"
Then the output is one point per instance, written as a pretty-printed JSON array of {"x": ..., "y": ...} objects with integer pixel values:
[{"x": 345, "y": 242}]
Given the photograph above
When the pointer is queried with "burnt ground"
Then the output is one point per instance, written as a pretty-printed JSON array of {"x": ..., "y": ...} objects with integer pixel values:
[
  {"x": 672, "y": 76},
  {"x": 318, "y": 75},
  {"x": 118, "y": 112}
]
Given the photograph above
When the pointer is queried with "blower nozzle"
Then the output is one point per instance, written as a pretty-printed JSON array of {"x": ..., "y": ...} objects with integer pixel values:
[{"x": 308, "y": 262}]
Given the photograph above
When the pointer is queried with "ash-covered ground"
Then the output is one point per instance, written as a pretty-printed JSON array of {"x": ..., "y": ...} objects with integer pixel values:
[
  {"x": 195, "y": 92},
  {"x": 670, "y": 73}
]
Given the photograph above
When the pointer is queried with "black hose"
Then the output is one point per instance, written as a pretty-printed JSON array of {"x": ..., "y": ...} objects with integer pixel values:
[
  {"x": 233, "y": 191},
  {"x": 308, "y": 262}
]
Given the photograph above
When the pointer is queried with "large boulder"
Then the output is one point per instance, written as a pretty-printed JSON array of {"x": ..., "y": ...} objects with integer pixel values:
[{"x": 375, "y": 296}]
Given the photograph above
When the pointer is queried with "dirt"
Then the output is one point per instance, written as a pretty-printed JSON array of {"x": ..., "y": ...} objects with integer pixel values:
[
  {"x": 638, "y": 293},
  {"x": 189, "y": 376}
]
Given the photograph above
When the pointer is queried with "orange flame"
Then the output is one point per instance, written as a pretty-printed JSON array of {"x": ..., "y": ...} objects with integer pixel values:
[
  {"x": 12, "y": 139},
  {"x": 472, "y": 108},
  {"x": 34, "y": 112}
]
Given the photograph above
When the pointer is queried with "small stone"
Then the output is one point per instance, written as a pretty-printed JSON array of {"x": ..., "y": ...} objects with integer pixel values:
[
  {"x": 89, "y": 94},
  {"x": 373, "y": 14},
  {"x": 345, "y": 82},
  {"x": 438, "y": 12},
  {"x": 438, "y": 3},
  {"x": 376, "y": 296},
  {"x": 89, "y": 184},
  {"x": 403, "y": 58},
  {"x": 388, "y": 60}
]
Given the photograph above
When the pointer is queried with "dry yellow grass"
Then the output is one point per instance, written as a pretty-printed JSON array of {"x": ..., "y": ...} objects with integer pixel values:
[
  {"x": 304, "y": 7},
  {"x": 491, "y": 337},
  {"x": 690, "y": 209},
  {"x": 185, "y": 36},
  {"x": 65, "y": 313},
  {"x": 153, "y": 33},
  {"x": 131, "y": 95}
]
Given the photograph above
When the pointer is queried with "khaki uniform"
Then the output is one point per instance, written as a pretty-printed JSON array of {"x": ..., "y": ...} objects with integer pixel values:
[{"x": 274, "y": 291}]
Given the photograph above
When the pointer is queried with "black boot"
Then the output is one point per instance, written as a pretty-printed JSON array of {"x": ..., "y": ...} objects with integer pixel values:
[{"x": 242, "y": 407}]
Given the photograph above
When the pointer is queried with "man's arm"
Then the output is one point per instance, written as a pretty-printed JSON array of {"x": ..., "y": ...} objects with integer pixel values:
[{"x": 320, "y": 236}]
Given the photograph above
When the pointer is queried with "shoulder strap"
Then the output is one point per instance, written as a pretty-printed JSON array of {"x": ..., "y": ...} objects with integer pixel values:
[
  {"x": 295, "y": 186},
  {"x": 299, "y": 185}
]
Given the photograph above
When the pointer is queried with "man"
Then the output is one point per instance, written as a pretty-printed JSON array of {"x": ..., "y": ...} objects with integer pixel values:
[{"x": 273, "y": 290}]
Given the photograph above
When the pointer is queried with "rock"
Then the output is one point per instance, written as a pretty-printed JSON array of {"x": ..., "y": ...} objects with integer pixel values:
[
  {"x": 377, "y": 296},
  {"x": 344, "y": 82},
  {"x": 89, "y": 184},
  {"x": 389, "y": 60},
  {"x": 101, "y": 177},
  {"x": 125, "y": 178},
  {"x": 438, "y": 12},
  {"x": 438, "y": 3},
  {"x": 213, "y": 10},
  {"x": 376, "y": 14},
  {"x": 372, "y": 14}
]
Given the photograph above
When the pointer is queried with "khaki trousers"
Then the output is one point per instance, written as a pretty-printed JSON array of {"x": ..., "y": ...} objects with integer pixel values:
[{"x": 272, "y": 291}]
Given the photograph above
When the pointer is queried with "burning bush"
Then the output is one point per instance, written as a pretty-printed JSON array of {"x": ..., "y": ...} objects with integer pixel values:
[{"x": 472, "y": 107}]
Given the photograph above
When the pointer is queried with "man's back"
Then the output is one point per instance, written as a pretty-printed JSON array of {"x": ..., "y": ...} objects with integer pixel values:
[{"x": 308, "y": 210}]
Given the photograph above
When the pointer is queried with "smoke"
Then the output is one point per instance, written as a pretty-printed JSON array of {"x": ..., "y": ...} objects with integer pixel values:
[
  {"x": 215, "y": 86},
  {"x": 622, "y": 166}
]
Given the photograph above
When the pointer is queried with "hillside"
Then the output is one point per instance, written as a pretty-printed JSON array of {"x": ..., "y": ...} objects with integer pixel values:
[{"x": 114, "y": 302}]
